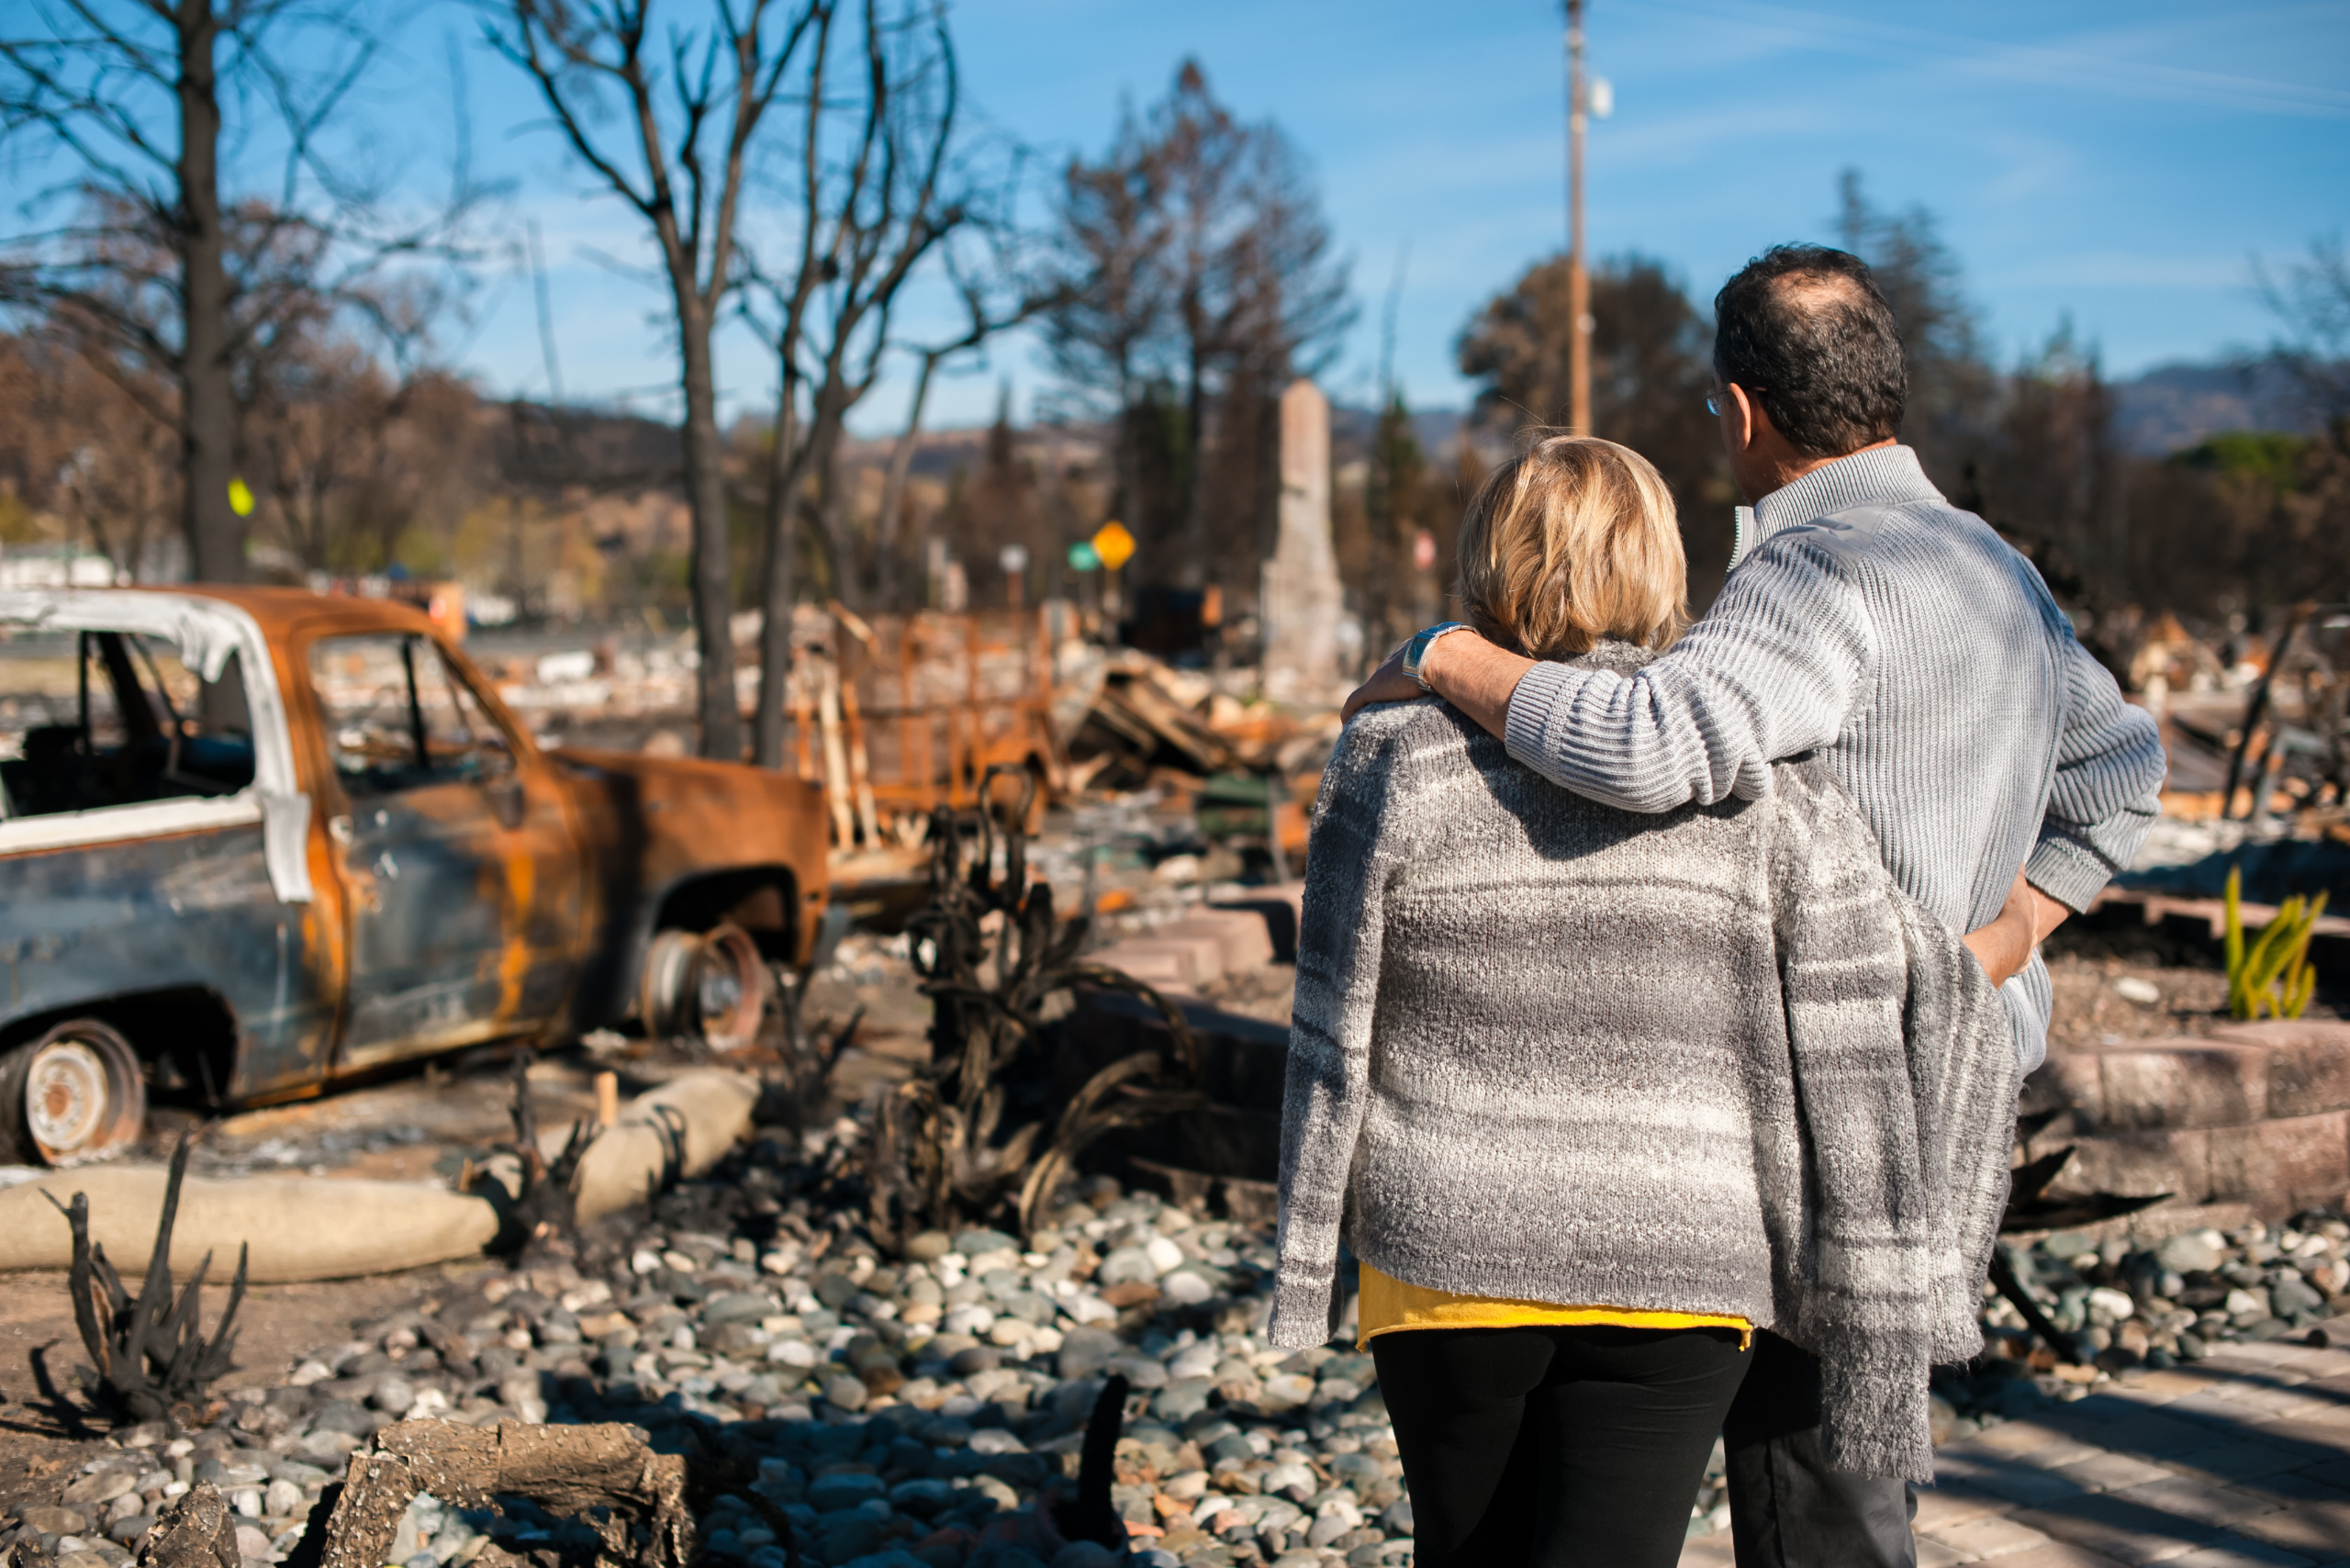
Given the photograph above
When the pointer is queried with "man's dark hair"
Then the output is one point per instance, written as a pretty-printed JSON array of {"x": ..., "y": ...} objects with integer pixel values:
[{"x": 1805, "y": 330}]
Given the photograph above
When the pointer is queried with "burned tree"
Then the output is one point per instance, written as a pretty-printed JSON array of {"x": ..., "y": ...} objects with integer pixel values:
[
  {"x": 880, "y": 181},
  {"x": 152, "y": 1357},
  {"x": 691, "y": 124},
  {"x": 154, "y": 268}
]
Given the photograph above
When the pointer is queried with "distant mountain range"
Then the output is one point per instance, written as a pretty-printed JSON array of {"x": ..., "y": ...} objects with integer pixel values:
[
  {"x": 2175, "y": 406},
  {"x": 2157, "y": 412}
]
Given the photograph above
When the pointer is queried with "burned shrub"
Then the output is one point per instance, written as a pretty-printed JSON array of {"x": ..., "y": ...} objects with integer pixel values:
[
  {"x": 972, "y": 1132},
  {"x": 154, "y": 1361}
]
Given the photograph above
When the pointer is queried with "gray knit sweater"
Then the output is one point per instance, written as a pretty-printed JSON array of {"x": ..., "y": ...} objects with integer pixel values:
[
  {"x": 1549, "y": 1051},
  {"x": 1871, "y": 620}
]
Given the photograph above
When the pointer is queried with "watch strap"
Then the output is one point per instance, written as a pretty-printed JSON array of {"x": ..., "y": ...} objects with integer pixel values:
[{"x": 1416, "y": 651}]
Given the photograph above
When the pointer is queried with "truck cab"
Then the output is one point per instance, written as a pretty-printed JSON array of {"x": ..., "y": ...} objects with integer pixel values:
[{"x": 255, "y": 841}]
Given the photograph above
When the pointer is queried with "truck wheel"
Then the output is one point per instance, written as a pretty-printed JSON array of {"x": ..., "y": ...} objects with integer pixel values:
[
  {"x": 72, "y": 1096},
  {"x": 710, "y": 985}
]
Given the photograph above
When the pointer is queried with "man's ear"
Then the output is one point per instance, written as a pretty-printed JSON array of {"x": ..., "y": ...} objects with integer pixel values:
[{"x": 1747, "y": 419}]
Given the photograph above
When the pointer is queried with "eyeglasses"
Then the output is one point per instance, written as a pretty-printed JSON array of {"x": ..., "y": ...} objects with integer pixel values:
[{"x": 1713, "y": 401}]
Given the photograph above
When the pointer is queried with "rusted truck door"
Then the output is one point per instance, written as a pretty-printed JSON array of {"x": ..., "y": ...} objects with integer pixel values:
[{"x": 462, "y": 919}]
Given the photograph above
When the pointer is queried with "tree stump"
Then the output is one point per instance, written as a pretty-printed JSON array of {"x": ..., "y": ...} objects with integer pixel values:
[{"x": 569, "y": 1471}]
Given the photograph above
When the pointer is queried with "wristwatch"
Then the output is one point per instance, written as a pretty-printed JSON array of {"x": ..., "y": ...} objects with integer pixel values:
[{"x": 1416, "y": 651}]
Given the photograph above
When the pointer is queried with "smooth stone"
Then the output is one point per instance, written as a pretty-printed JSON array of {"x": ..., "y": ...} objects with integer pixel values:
[
  {"x": 103, "y": 1487},
  {"x": 1182, "y": 1400},
  {"x": 920, "y": 1497},
  {"x": 1185, "y": 1288},
  {"x": 970, "y": 1318},
  {"x": 974, "y": 1243},
  {"x": 847, "y": 1392},
  {"x": 344, "y": 1416},
  {"x": 1328, "y": 1529},
  {"x": 1085, "y": 1352},
  {"x": 738, "y": 1306},
  {"x": 830, "y": 1493},
  {"x": 2188, "y": 1252},
  {"x": 927, "y": 1246},
  {"x": 849, "y": 1535},
  {"x": 1126, "y": 1265},
  {"x": 1139, "y": 1370},
  {"x": 54, "y": 1521},
  {"x": 2289, "y": 1294},
  {"x": 1286, "y": 1391}
]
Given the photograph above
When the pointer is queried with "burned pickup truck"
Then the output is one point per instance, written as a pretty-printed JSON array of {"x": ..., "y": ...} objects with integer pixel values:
[{"x": 253, "y": 841}]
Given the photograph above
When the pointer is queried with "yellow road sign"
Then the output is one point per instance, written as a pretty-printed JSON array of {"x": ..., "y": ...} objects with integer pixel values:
[{"x": 1114, "y": 544}]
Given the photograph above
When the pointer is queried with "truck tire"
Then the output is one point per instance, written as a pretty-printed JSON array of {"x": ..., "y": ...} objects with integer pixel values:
[
  {"x": 74, "y": 1095},
  {"x": 709, "y": 985}
]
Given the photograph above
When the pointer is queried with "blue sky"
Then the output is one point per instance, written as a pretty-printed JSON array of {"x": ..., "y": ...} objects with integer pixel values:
[{"x": 2122, "y": 163}]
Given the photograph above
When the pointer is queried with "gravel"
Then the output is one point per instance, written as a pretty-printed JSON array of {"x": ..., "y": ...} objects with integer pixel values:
[
  {"x": 909, "y": 1411},
  {"x": 2134, "y": 1309}
]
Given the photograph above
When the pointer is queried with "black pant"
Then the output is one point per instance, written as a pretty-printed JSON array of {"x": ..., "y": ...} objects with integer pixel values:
[
  {"x": 1788, "y": 1509},
  {"x": 1555, "y": 1448}
]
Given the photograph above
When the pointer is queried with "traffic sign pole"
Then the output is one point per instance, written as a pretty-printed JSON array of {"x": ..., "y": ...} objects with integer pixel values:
[{"x": 1116, "y": 547}]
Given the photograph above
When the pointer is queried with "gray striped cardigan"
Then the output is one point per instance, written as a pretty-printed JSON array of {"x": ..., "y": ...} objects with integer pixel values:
[{"x": 1711, "y": 1060}]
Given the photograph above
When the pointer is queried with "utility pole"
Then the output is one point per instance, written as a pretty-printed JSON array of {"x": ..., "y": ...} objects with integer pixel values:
[{"x": 1578, "y": 272}]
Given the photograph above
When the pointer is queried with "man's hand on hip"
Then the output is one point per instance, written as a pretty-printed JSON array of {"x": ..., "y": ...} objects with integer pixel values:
[
  {"x": 1461, "y": 668},
  {"x": 2026, "y": 920}
]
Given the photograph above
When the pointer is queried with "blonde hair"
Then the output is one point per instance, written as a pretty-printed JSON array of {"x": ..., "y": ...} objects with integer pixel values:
[{"x": 1574, "y": 540}]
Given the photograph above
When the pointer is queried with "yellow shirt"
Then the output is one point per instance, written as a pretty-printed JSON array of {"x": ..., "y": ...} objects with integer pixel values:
[{"x": 1389, "y": 1303}]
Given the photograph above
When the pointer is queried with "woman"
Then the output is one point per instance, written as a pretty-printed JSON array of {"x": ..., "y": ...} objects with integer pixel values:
[{"x": 1595, "y": 1095}]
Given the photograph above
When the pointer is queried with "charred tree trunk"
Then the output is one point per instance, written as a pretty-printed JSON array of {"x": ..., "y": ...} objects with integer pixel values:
[
  {"x": 207, "y": 393},
  {"x": 713, "y": 587},
  {"x": 778, "y": 574},
  {"x": 893, "y": 492}
]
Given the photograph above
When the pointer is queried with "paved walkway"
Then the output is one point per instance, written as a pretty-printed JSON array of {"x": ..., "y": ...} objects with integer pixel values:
[{"x": 2239, "y": 1461}]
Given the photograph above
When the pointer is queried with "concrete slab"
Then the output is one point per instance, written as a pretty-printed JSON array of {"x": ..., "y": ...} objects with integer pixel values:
[
  {"x": 1240, "y": 935},
  {"x": 1185, "y": 963},
  {"x": 2238, "y": 1462},
  {"x": 1989, "y": 1537}
]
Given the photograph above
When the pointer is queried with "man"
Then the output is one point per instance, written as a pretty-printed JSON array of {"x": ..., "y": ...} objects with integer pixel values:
[{"x": 1867, "y": 619}]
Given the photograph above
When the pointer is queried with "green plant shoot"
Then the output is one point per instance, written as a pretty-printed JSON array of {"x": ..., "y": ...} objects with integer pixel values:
[{"x": 2271, "y": 975}]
